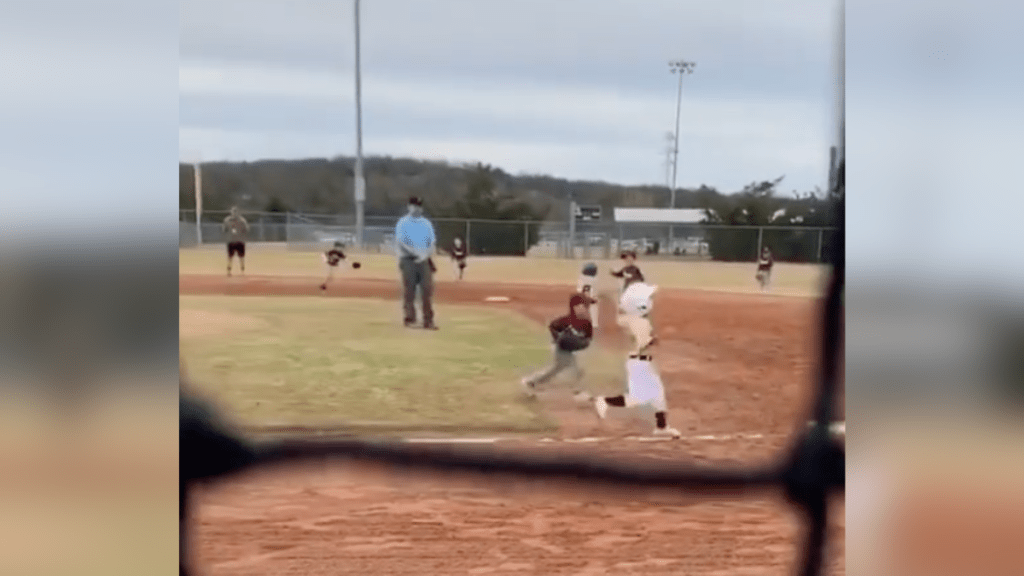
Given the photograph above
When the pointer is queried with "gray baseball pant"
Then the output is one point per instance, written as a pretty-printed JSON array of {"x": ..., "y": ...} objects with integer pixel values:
[{"x": 417, "y": 274}]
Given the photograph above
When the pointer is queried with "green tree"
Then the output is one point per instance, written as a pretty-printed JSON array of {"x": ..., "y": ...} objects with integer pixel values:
[{"x": 483, "y": 201}]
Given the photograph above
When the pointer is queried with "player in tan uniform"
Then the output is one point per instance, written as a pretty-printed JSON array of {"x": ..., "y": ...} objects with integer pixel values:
[
  {"x": 643, "y": 383},
  {"x": 237, "y": 228}
]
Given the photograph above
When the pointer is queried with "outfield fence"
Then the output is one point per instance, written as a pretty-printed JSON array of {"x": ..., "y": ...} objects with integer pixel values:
[{"x": 589, "y": 240}]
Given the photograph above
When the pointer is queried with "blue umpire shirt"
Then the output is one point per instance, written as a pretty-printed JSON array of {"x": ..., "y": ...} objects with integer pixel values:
[{"x": 417, "y": 233}]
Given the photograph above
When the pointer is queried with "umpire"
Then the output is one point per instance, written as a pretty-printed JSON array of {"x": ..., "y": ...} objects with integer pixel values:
[{"x": 416, "y": 240}]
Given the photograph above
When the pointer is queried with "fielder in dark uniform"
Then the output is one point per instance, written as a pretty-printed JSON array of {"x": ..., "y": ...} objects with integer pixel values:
[
  {"x": 764, "y": 268},
  {"x": 459, "y": 254},
  {"x": 570, "y": 333},
  {"x": 236, "y": 227},
  {"x": 332, "y": 258},
  {"x": 629, "y": 272}
]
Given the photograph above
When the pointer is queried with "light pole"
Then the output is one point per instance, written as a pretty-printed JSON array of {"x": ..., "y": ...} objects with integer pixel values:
[
  {"x": 197, "y": 172},
  {"x": 680, "y": 67},
  {"x": 360, "y": 182}
]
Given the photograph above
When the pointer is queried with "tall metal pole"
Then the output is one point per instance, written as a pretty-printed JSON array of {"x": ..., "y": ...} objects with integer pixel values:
[
  {"x": 197, "y": 173},
  {"x": 360, "y": 183},
  {"x": 572, "y": 228},
  {"x": 677, "y": 67}
]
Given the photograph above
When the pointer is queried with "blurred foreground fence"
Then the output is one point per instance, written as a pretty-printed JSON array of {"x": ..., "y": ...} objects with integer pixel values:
[{"x": 530, "y": 238}]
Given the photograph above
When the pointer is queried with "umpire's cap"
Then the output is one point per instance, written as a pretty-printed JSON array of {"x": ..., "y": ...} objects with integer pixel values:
[{"x": 416, "y": 201}]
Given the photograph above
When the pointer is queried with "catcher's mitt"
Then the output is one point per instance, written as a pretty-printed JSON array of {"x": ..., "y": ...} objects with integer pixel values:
[{"x": 570, "y": 340}]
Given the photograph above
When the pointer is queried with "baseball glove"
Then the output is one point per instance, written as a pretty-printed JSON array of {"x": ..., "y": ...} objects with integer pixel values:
[{"x": 570, "y": 340}]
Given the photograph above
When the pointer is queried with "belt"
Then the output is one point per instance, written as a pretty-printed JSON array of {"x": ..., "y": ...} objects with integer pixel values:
[{"x": 644, "y": 357}]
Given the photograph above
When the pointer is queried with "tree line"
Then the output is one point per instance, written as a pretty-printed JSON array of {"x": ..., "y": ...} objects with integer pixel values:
[{"x": 481, "y": 191}]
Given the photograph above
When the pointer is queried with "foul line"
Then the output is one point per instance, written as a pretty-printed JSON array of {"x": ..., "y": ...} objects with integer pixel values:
[{"x": 837, "y": 429}]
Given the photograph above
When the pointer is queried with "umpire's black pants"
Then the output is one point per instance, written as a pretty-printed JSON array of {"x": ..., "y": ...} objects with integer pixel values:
[{"x": 417, "y": 274}]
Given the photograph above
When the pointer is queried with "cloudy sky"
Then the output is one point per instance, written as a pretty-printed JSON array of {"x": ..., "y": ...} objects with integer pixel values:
[{"x": 573, "y": 88}]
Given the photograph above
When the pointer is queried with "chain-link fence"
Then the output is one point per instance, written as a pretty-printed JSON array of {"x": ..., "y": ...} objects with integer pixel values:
[{"x": 588, "y": 240}]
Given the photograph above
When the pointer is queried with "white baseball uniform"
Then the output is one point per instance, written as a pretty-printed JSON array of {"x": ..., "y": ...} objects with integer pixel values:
[{"x": 644, "y": 384}]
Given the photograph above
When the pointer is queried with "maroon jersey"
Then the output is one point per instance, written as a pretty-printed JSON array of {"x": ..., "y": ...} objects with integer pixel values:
[
  {"x": 629, "y": 275},
  {"x": 764, "y": 262},
  {"x": 581, "y": 325},
  {"x": 459, "y": 252},
  {"x": 334, "y": 256}
]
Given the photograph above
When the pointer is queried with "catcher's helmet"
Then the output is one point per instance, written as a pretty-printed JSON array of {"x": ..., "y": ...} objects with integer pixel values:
[{"x": 590, "y": 269}]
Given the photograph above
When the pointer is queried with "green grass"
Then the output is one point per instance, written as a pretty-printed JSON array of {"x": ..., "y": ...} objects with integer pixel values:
[
  {"x": 274, "y": 260},
  {"x": 325, "y": 361}
]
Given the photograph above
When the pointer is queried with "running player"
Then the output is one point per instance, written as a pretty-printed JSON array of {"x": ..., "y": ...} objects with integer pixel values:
[
  {"x": 643, "y": 383},
  {"x": 332, "y": 258}
]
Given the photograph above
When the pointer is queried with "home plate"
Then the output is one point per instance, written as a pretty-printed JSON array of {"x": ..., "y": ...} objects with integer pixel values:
[{"x": 496, "y": 299}]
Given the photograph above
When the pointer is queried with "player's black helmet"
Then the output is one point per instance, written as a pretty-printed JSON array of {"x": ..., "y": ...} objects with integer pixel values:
[{"x": 590, "y": 269}]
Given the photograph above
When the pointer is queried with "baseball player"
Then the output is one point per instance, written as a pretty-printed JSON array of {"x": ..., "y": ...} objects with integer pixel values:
[
  {"x": 587, "y": 285},
  {"x": 644, "y": 385},
  {"x": 332, "y": 258},
  {"x": 764, "y": 269},
  {"x": 458, "y": 253},
  {"x": 570, "y": 334},
  {"x": 236, "y": 227},
  {"x": 630, "y": 274}
]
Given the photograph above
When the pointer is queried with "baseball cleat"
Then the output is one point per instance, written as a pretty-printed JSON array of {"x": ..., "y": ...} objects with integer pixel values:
[
  {"x": 528, "y": 388},
  {"x": 430, "y": 326},
  {"x": 667, "y": 431},
  {"x": 323, "y": 286},
  {"x": 601, "y": 406}
]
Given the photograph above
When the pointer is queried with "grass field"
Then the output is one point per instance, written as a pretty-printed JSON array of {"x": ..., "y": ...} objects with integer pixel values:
[
  {"x": 275, "y": 260},
  {"x": 311, "y": 361}
]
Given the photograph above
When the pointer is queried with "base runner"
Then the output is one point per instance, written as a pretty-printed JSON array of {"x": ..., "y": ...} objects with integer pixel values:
[{"x": 643, "y": 382}]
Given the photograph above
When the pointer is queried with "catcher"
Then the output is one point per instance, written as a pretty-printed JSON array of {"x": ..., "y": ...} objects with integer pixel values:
[
  {"x": 570, "y": 333},
  {"x": 764, "y": 269},
  {"x": 644, "y": 385},
  {"x": 587, "y": 285}
]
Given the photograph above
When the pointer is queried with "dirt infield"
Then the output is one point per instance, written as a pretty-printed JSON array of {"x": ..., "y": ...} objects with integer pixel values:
[{"x": 738, "y": 372}]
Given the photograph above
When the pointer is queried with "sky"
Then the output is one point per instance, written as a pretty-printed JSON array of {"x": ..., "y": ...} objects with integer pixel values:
[
  {"x": 96, "y": 111},
  {"x": 574, "y": 89}
]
